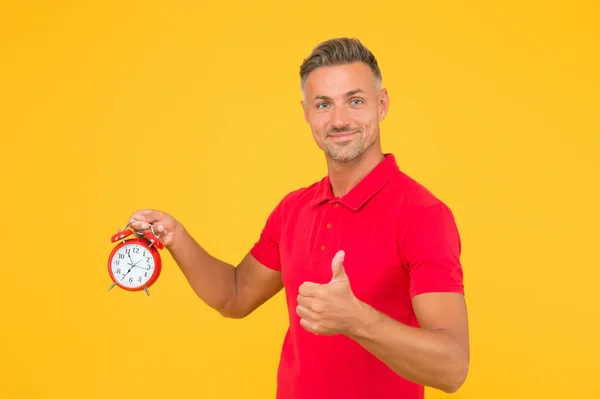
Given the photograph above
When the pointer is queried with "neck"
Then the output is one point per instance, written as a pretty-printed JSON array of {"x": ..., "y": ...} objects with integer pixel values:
[{"x": 345, "y": 176}]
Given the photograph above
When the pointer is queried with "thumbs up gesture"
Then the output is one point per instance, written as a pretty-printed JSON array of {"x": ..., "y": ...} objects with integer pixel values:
[
  {"x": 337, "y": 268},
  {"x": 332, "y": 308}
]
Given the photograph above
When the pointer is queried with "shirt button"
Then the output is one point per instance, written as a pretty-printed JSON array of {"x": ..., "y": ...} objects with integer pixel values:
[
  {"x": 335, "y": 205},
  {"x": 328, "y": 225},
  {"x": 322, "y": 247}
]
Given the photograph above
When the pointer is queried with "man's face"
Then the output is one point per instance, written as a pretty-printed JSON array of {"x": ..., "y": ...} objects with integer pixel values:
[{"x": 343, "y": 106}]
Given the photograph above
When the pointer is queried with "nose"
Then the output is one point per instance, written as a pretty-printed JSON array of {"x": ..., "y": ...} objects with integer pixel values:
[{"x": 339, "y": 117}]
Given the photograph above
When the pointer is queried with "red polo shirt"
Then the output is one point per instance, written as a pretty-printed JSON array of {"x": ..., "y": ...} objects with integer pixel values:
[{"x": 400, "y": 241}]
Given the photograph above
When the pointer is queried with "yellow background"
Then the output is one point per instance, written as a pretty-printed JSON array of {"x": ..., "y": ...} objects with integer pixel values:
[{"x": 193, "y": 108}]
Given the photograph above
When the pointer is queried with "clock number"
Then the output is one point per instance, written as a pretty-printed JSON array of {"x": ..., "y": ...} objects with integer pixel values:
[
  {"x": 117, "y": 262},
  {"x": 136, "y": 250},
  {"x": 118, "y": 271},
  {"x": 147, "y": 260},
  {"x": 131, "y": 279},
  {"x": 140, "y": 279},
  {"x": 121, "y": 256},
  {"x": 128, "y": 251}
]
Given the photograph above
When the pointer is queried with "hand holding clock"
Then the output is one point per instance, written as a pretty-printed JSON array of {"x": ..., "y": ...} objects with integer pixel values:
[
  {"x": 147, "y": 232},
  {"x": 164, "y": 224}
]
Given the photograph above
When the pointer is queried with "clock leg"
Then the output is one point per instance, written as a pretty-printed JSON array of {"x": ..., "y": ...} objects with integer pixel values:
[
  {"x": 111, "y": 287},
  {"x": 146, "y": 289}
]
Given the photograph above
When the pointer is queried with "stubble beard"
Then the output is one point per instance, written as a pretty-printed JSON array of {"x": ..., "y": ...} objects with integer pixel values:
[{"x": 345, "y": 151}]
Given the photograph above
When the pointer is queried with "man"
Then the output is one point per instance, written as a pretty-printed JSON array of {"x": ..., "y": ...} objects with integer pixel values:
[{"x": 368, "y": 257}]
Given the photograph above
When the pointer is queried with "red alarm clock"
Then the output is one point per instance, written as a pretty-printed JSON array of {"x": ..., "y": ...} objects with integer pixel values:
[{"x": 135, "y": 263}]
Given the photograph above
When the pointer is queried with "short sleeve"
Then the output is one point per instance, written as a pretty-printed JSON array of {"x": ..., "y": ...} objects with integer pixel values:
[
  {"x": 432, "y": 250},
  {"x": 266, "y": 248}
]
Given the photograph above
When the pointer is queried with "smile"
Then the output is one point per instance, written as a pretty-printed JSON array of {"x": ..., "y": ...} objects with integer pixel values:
[{"x": 340, "y": 136}]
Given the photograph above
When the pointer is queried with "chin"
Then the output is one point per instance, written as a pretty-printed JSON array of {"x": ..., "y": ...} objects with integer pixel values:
[{"x": 343, "y": 157}]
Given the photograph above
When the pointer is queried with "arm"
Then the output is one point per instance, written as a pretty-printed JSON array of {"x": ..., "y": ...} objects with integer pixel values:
[
  {"x": 435, "y": 355},
  {"x": 234, "y": 292}
]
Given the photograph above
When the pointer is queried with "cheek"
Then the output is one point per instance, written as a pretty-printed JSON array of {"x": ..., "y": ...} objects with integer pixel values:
[
  {"x": 364, "y": 117},
  {"x": 318, "y": 123},
  {"x": 317, "y": 132}
]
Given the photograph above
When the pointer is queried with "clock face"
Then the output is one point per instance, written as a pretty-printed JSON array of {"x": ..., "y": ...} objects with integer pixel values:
[{"x": 132, "y": 265}]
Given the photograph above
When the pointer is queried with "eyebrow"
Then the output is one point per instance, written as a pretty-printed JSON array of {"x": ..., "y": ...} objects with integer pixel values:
[{"x": 348, "y": 94}]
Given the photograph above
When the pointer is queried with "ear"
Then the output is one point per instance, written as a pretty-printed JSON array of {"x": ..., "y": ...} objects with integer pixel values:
[
  {"x": 305, "y": 110},
  {"x": 384, "y": 104}
]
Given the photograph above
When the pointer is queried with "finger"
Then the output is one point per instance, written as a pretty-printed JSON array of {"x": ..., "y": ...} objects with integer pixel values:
[
  {"x": 305, "y": 301},
  {"x": 337, "y": 267},
  {"x": 312, "y": 327},
  {"x": 313, "y": 304},
  {"x": 309, "y": 326},
  {"x": 142, "y": 220},
  {"x": 140, "y": 225},
  {"x": 306, "y": 314},
  {"x": 137, "y": 215},
  {"x": 308, "y": 288},
  {"x": 138, "y": 221},
  {"x": 147, "y": 215},
  {"x": 163, "y": 235}
]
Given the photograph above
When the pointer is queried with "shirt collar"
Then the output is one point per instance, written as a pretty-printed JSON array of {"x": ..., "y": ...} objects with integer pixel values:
[{"x": 364, "y": 190}]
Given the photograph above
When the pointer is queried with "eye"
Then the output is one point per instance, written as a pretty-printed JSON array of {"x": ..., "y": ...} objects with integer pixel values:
[
  {"x": 321, "y": 105},
  {"x": 357, "y": 101}
]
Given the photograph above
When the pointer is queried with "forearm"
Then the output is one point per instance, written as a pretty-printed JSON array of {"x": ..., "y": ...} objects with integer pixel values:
[
  {"x": 428, "y": 357},
  {"x": 212, "y": 280}
]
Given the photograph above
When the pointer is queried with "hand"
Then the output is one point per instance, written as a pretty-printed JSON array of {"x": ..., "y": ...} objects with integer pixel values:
[
  {"x": 332, "y": 308},
  {"x": 164, "y": 225}
]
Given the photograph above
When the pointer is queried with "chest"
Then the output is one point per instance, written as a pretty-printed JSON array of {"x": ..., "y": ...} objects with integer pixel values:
[{"x": 369, "y": 237}]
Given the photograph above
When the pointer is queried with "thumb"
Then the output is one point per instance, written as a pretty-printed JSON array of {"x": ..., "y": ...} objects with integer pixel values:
[{"x": 337, "y": 267}]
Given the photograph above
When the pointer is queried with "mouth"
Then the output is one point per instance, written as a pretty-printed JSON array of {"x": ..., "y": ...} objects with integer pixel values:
[{"x": 341, "y": 136}]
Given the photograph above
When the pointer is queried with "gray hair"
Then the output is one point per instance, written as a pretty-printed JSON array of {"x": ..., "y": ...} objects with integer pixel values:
[{"x": 338, "y": 51}]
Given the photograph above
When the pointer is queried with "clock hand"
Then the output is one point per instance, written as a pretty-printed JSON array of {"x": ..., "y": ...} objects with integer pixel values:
[
  {"x": 125, "y": 275},
  {"x": 135, "y": 265},
  {"x": 128, "y": 271},
  {"x": 132, "y": 266}
]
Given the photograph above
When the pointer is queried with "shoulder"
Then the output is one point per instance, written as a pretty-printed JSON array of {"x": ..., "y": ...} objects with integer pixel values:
[
  {"x": 427, "y": 228},
  {"x": 299, "y": 197},
  {"x": 412, "y": 193},
  {"x": 414, "y": 200}
]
